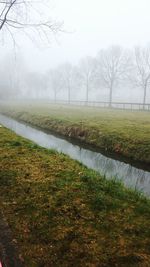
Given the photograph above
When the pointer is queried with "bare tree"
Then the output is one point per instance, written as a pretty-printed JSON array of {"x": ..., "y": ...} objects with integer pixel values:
[
  {"x": 140, "y": 75},
  {"x": 35, "y": 84},
  {"x": 67, "y": 73},
  {"x": 12, "y": 76},
  {"x": 55, "y": 81},
  {"x": 24, "y": 15},
  {"x": 87, "y": 68},
  {"x": 112, "y": 65}
]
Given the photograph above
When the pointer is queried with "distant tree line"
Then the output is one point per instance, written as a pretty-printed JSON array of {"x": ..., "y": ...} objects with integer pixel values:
[{"x": 112, "y": 68}]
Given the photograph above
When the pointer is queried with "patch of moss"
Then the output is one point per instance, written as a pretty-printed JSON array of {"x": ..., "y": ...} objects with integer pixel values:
[{"x": 7, "y": 177}]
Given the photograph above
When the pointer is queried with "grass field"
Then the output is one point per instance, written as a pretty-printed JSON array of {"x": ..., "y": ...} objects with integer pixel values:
[
  {"x": 126, "y": 133},
  {"x": 63, "y": 214}
]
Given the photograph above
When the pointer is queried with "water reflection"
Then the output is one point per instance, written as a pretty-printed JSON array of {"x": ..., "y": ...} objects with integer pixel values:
[{"x": 131, "y": 176}]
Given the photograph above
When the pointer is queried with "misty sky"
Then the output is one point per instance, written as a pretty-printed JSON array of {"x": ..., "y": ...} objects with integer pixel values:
[{"x": 93, "y": 24}]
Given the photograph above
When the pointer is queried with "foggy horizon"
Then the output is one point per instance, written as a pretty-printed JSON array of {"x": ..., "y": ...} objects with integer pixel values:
[{"x": 89, "y": 27}]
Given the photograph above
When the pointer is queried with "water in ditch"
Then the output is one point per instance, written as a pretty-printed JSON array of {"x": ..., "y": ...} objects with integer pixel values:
[{"x": 131, "y": 176}]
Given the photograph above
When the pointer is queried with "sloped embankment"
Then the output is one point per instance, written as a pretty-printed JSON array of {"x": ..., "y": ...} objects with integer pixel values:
[
  {"x": 124, "y": 138},
  {"x": 63, "y": 214}
]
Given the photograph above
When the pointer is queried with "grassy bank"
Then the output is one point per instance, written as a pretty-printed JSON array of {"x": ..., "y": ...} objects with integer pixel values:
[
  {"x": 63, "y": 214},
  {"x": 126, "y": 133}
]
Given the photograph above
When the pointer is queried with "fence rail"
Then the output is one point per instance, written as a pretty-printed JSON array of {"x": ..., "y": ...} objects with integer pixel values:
[{"x": 115, "y": 105}]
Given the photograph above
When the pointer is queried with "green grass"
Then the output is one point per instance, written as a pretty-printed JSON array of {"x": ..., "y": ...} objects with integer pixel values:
[
  {"x": 63, "y": 214},
  {"x": 126, "y": 133}
]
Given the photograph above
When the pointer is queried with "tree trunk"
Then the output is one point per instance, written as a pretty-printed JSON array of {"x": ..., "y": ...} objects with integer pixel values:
[
  {"x": 144, "y": 97},
  {"x": 87, "y": 93},
  {"x": 55, "y": 96},
  {"x": 69, "y": 94},
  {"x": 110, "y": 95}
]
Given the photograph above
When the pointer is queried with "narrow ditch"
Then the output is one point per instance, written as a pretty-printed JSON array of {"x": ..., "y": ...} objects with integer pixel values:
[{"x": 131, "y": 176}]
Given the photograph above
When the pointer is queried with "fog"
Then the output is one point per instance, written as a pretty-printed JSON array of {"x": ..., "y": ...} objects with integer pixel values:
[{"x": 71, "y": 64}]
